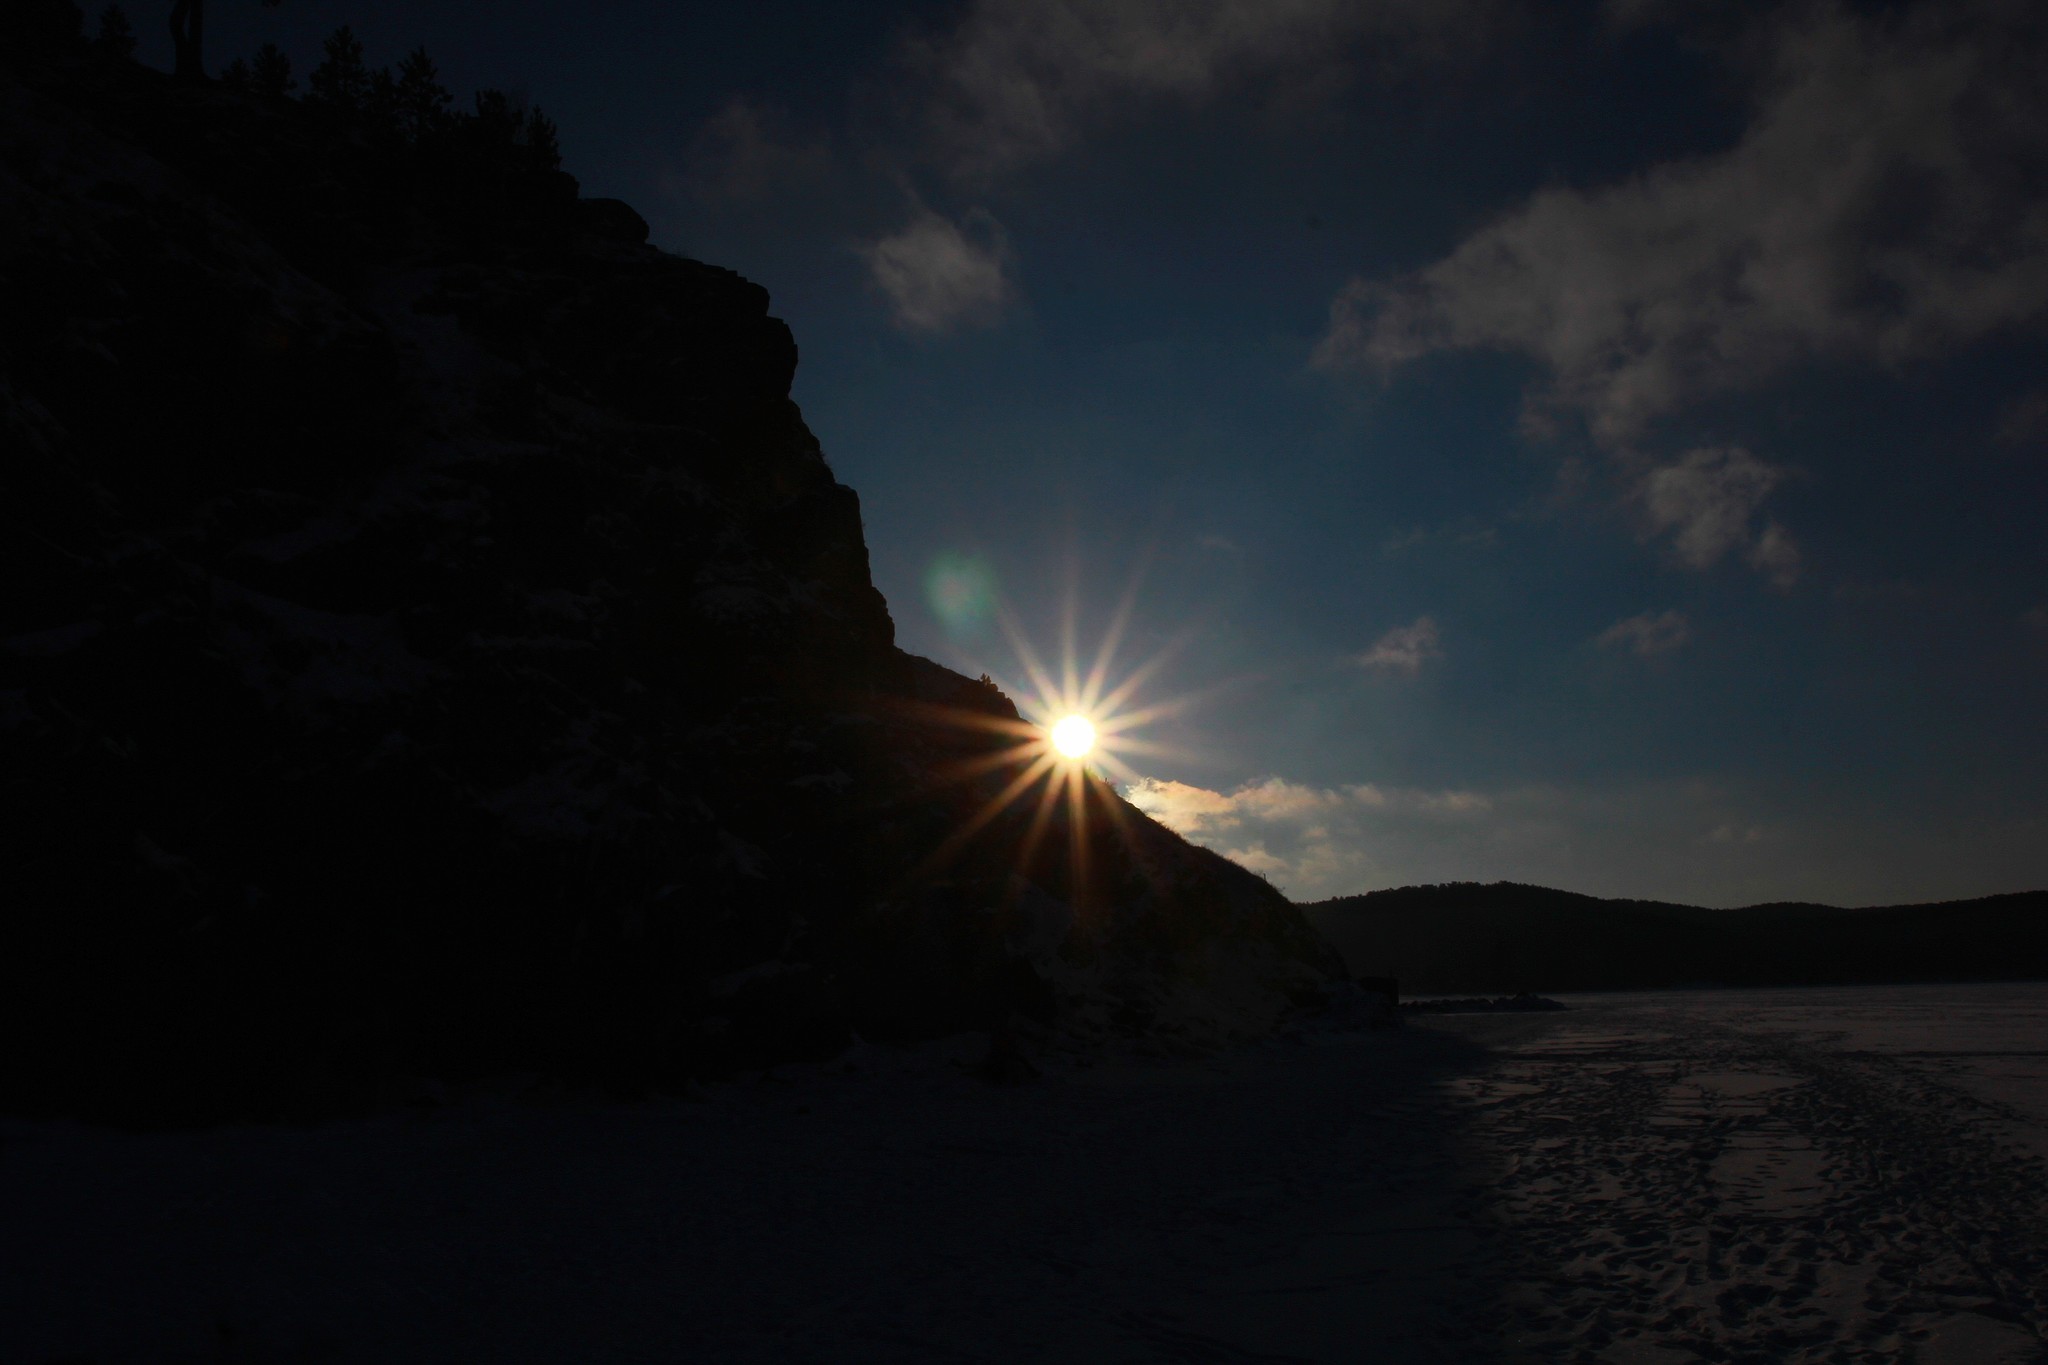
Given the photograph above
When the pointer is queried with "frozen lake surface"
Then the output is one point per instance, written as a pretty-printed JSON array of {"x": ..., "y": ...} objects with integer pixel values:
[
  {"x": 1835, "y": 1174},
  {"x": 1815, "y": 1175}
]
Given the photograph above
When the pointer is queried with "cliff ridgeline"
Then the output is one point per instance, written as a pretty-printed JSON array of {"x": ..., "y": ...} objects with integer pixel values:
[{"x": 433, "y": 645}]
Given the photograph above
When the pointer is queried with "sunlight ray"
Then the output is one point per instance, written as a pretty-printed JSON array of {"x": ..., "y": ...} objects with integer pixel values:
[
  {"x": 1077, "y": 834},
  {"x": 1041, "y": 821},
  {"x": 1075, "y": 739},
  {"x": 962, "y": 718},
  {"x": 990, "y": 809},
  {"x": 1125, "y": 721},
  {"x": 1172, "y": 706},
  {"x": 967, "y": 769},
  {"x": 1091, "y": 691},
  {"x": 1034, "y": 668},
  {"x": 1143, "y": 672},
  {"x": 1119, "y": 816},
  {"x": 1070, "y": 612},
  {"x": 1145, "y": 748},
  {"x": 1117, "y": 768}
]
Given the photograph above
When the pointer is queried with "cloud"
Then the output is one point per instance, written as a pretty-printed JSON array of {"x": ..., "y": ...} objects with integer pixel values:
[
  {"x": 2024, "y": 420},
  {"x": 1708, "y": 500},
  {"x": 748, "y": 150},
  {"x": 1183, "y": 808},
  {"x": 1775, "y": 555},
  {"x": 1649, "y": 634},
  {"x": 1678, "y": 839},
  {"x": 1884, "y": 203},
  {"x": 1310, "y": 841},
  {"x": 1017, "y": 81},
  {"x": 1625, "y": 15},
  {"x": 1404, "y": 649},
  {"x": 1466, "y": 533},
  {"x": 940, "y": 275}
]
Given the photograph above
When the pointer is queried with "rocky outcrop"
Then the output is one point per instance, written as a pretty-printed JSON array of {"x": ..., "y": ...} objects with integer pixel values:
[{"x": 432, "y": 643}]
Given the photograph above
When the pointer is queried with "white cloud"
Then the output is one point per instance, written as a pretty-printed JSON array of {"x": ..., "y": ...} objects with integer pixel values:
[
  {"x": 940, "y": 275},
  {"x": 1877, "y": 206},
  {"x": 1019, "y": 80},
  {"x": 1311, "y": 841},
  {"x": 1404, "y": 649},
  {"x": 1649, "y": 634},
  {"x": 1683, "y": 840},
  {"x": 1183, "y": 808}
]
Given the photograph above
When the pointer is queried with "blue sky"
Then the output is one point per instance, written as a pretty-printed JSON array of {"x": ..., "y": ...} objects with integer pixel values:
[{"x": 1598, "y": 445}]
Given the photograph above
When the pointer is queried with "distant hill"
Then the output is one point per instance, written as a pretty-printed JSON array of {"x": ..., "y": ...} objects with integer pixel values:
[{"x": 1503, "y": 937}]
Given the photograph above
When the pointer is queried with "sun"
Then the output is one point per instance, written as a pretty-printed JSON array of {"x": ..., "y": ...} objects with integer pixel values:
[
  {"x": 1067, "y": 741},
  {"x": 1074, "y": 736}
]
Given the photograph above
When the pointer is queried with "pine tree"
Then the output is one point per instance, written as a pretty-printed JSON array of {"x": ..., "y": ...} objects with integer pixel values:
[
  {"x": 380, "y": 109},
  {"x": 188, "y": 31},
  {"x": 542, "y": 146},
  {"x": 271, "y": 72},
  {"x": 422, "y": 99},
  {"x": 116, "y": 38},
  {"x": 495, "y": 122},
  {"x": 188, "y": 27},
  {"x": 236, "y": 76},
  {"x": 341, "y": 80}
]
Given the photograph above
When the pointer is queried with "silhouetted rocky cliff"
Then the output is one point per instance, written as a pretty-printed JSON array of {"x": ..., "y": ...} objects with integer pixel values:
[{"x": 432, "y": 643}]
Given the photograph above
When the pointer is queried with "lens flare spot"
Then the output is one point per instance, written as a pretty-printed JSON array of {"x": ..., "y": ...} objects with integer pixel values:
[
  {"x": 961, "y": 590},
  {"x": 1074, "y": 736}
]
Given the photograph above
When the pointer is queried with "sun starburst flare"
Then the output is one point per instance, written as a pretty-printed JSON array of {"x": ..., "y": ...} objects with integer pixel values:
[
  {"x": 1078, "y": 728},
  {"x": 1073, "y": 736}
]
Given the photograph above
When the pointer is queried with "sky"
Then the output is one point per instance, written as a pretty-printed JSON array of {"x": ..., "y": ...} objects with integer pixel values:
[{"x": 1602, "y": 445}]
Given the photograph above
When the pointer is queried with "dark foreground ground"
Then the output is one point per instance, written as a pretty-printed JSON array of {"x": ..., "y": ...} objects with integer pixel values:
[{"x": 1834, "y": 1175}]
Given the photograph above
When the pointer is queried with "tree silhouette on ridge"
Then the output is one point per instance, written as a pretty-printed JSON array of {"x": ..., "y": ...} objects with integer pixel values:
[
  {"x": 188, "y": 33},
  {"x": 423, "y": 102},
  {"x": 341, "y": 80},
  {"x": 116, "y": 36}
]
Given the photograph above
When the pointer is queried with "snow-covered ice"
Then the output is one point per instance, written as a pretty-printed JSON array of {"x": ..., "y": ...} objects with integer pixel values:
[
  {"x": 1820, "y": 1175},
  {"x": 1826, "y": 1174}
]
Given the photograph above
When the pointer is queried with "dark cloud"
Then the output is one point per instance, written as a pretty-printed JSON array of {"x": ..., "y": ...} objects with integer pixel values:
[
  {"x": 751, "y": 150},
  {"x": 1649, "y": 634},
  {"x": 1018, "y": 81},
  {"x": 1708, "y": 502},
  {"x": 1877, "y": 206},
  {"x": 2024, "y": 421},
  {"x": 1887, "y": 203},
  {"x": 1404, "y": 649}
]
